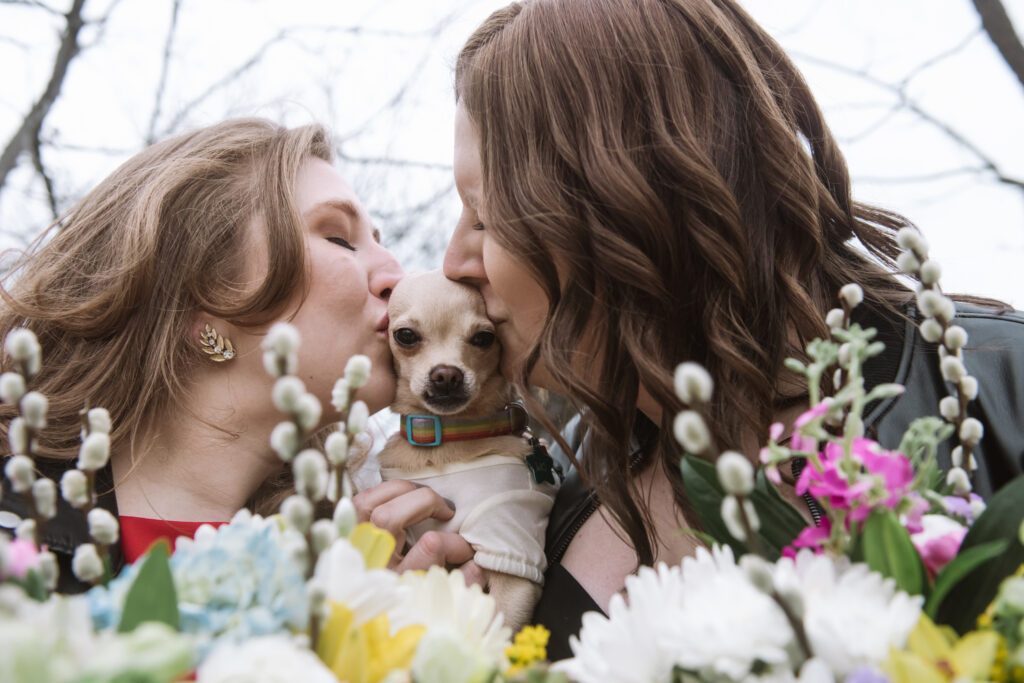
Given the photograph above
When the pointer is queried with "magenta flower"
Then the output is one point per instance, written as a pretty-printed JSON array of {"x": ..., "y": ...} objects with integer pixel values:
[
  {"x": 799, "y": 442},
  {"x": 938, "y": 541},
  {"x": 20, "y": 556},
  {"x": 829, "y": 483},
  {"x": 918, "y": 507},
  {"x": 812, "y": 537},
  {"x": 883, "y": 480}
]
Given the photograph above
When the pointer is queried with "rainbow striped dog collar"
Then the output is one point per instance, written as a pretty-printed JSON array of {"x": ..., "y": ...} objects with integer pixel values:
[{"x": 433, "y": 430}]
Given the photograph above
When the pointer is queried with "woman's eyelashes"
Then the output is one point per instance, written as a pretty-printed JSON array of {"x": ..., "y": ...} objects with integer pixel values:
[
  {"x": 478, "y": 225},
  {"x": 341, "y": 242}
]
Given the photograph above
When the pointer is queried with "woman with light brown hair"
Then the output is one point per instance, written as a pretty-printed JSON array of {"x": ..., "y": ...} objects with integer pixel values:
[
  {"x": 647, "y": 182},
  {"x": 206, "y": 237}
]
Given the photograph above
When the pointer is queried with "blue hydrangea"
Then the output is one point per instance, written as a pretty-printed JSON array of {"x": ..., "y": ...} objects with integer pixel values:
[{"x": 233, "y": 583}]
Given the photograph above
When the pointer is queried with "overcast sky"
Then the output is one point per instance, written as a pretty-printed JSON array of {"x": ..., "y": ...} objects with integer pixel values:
[{"x": 379, "y": 73}]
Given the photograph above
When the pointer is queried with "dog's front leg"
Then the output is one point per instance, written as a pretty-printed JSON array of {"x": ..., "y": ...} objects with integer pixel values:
[{"x": 515, "y": 597}]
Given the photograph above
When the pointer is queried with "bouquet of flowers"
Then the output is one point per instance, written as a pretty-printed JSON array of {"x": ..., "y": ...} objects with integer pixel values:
[
  {"x": 297, "y": 596},
  {"x": 907, "y": 576}
]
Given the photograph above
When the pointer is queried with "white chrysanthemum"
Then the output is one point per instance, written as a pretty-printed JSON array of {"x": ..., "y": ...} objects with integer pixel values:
[
  {"x": 441, "y": 600},
  {"x": 725, "y": 624},
  {"x": 853, "y": 615},
  {"x": 443, "y": 657},
  {"x": 342, "y": 576},
  {"x": 42, "y": 640},
  {"x": 55, "y": 641},
  {"x": 625, "y": 645},
  {"x": 268, "y": 659},
  {"x": 705, "y": 617}
]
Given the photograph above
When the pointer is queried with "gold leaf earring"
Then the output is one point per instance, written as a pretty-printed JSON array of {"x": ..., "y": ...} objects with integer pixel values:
[{"x": 219, "y": 348}]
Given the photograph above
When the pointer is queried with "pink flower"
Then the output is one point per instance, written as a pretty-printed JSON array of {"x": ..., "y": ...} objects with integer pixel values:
[
  {"x": 918, "y": 507},
  {"x": 812, "y": 414},
  {"x": 938, "y": 541},
  {"x": 895, "y": 469},
  {"x": 885, "y": 478},
  {"x": 829, "y": 483},
  {"x": 799, "y": 442},
  {"x": 19, "y": 557},
  {"x": 812, "y": 537}
]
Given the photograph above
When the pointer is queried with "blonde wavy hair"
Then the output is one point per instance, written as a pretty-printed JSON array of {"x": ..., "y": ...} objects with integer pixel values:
[{"x": 112, "y": 289}]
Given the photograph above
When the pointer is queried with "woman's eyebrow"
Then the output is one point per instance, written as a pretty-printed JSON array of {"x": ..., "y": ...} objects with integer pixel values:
[
  {"x": 346, "y": 207},
  {"x": 342, "y": 205}
]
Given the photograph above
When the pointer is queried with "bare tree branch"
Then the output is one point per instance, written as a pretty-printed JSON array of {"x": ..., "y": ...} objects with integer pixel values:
[
  {"x": 101, "y": 24},
  {"x": 27, "y": 135},
  {"x": 37, "y": 161},
  {"x": 999, "y": 28},
  {"x": 414, "y": 75},
  {"x": 388, "y": 161},
  {"x": 33, "y": 3},
  {"x": 15, "y": 42},
  {"x": 901, "y": 87},
  {"x": 988, "y": 164},
  {"x": 164, "y": 68},
  {"x": 942, "y": 56},
  {"x": 419, "y": 208},
  {"x": 91, "y": 149},
  {"x": 924, "y": 177}
]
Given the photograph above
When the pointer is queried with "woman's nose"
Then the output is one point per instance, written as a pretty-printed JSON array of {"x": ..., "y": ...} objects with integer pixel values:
[
  {"x": 463, "y": 259},
  {"x": 386, "y": 274}
]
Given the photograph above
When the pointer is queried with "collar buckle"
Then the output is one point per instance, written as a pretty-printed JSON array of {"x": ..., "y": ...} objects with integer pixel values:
[{"x": 409, "y": 429}]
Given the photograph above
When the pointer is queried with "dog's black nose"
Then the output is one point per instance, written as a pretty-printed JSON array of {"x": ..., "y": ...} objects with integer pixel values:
[{"x": 445, "y": 379}]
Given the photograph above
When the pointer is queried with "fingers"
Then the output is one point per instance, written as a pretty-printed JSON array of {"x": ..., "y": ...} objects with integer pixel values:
[
  {"x": 366, "y": 501},
  {"x": 436, "y": 548}
]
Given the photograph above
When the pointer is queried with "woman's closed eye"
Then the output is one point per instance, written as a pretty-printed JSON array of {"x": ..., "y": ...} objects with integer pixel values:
[
  {"x": 478, "y": 225},
  {"x": 341, "y": 242}
]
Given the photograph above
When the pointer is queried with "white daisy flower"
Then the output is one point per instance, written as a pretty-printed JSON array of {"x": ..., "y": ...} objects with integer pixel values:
[{"x": 441, "y": 601}]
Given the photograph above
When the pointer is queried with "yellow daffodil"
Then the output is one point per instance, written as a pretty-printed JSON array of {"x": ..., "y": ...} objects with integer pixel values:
[
  {"x": 367, "y": 653},
  {"x": 375, "y": 544},
  {"x": 529, "y": 646},
  {"x": 934, "y": 654}
]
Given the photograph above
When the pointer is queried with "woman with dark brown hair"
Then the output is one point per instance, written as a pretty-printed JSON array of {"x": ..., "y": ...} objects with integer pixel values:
[
  {"x": 151, "y": 298},
  {"x": 647, "y": 182}
]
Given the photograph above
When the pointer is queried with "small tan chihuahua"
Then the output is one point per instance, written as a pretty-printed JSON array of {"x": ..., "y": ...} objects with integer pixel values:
[{"x": 461, "y": 435}]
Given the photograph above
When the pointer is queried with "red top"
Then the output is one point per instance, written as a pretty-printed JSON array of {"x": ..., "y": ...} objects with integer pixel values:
[{"x": 138, "y": 534}]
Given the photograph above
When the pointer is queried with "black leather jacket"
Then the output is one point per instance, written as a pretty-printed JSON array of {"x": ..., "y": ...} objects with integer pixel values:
[
  {"x": 69, "y": 528},
  {"x": 995, "y": 355}
]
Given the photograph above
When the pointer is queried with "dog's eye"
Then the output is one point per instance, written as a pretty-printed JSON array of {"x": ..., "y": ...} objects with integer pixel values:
[
  {"x": 405, "y": 337},
  {"x": 482, "y": 340}
]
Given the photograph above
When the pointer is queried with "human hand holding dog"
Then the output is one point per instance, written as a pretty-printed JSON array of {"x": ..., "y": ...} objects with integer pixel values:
[{"x": 396, "y": 505}]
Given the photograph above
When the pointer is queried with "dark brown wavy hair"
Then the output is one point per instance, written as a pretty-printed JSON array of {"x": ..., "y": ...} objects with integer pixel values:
[
  {"x": 670, "y": 158},
  {"x": 112, "y": 291}
]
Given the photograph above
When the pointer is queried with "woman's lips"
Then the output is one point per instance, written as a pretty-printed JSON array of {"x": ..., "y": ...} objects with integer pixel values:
[{"x": 382, "y": 326}]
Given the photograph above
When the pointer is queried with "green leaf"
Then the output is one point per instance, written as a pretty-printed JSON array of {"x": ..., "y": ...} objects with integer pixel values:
[
  {"x": 34, "y": 585},
  {"x": 705, "y": 494},
  {"x": 780, "y": 521},
  {"x": 886, "y": 547},
  {"x": 958, "y": 568},
  {"x": 152, "y": 596},
  {"x": 973, "y": 593}
]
